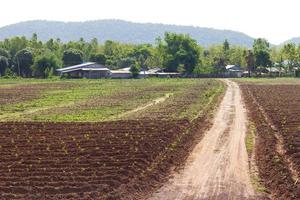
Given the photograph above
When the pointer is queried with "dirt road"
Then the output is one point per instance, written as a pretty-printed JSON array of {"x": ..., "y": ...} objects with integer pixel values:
[{"x": 218, "y": 166}]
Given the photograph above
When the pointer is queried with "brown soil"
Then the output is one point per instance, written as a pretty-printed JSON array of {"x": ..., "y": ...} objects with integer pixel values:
[
  {"x": 112, "y": 160},
  {"x": 275, "y": 111},
  {"x": 20, "y": 93},
  {"x": 107, "y": 160}
]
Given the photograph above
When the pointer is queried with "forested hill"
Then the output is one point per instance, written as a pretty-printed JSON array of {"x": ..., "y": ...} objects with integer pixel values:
[
  {"x": 295, "y": 40},
  {"x": 119, "y": 30}
]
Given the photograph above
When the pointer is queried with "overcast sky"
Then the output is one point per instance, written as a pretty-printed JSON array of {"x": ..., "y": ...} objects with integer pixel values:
[{"x": 276, "y": 20}]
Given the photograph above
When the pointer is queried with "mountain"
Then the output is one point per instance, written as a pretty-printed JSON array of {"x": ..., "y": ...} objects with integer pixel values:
[
  {"x": 119, "y": 30},
  {"x": 295, "y": 40}
]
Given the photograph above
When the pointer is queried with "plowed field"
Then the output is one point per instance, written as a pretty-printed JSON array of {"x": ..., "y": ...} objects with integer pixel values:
[
  {"x": 275, "y": 111},
  {"x": 139, "y": 137}
]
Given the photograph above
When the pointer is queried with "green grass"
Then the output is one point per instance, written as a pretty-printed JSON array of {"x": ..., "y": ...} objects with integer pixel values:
[
  {"x": 104, "y": 99},
  {"x": 256, "y": 182},
  {"x": 250, "y": 142},
  {"x": 196, "y": 94},
  {"x": 250, "y": 137},
  {"x": 207, "y": 97}
]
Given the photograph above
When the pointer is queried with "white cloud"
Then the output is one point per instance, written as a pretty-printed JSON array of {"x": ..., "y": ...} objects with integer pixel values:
[{"x": 276, "y": 20}]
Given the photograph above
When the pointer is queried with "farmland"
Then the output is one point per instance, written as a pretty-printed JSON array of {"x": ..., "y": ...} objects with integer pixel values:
[
  {"x": 102, "y": 100},
  {"x": 274, "y": 106},
  {"x": 103, "y": 139}
]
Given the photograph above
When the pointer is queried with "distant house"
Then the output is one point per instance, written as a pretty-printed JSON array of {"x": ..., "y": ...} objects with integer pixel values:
[
  {"x": 168, "y": 75},
  {"x": 125, "y": 73},
  {"x": 150, "y": 73},
  {"x": 121, "y": 73},
  {"x": 273, "y": 71},
  {"x": 94, "y": 70},
  {"x": 153, "y": 72},
  {"x": 234, "y": 71},
  {"x": 85, "y": 70}
]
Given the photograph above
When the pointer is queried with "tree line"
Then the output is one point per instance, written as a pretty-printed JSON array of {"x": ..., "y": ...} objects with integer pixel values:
[{"x": 20, "y": 56}]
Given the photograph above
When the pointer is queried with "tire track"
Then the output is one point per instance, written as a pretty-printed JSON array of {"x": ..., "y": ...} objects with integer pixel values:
[{"x": 218, "y": 166}]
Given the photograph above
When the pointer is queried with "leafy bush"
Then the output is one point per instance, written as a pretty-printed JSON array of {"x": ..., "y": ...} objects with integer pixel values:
[
  {"x": 98, "y": 58},
  {"x": 135, "y": 69},
  {"x": 72, "y": 57},
  {"x": 45, "y": 64}
]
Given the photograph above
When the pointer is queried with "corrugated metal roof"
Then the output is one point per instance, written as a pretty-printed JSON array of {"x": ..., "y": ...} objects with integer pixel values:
[
  {"x": 86, "y": 69},
  {"x": 230, "y": 66},
  {"x": 94, "y": 69},
  {"x": 80, "y": 66},
  {"x": 120, "y": 72}
]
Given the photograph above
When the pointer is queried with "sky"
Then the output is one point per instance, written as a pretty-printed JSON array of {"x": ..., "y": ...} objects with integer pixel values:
[{"x": 275, "y": 20}]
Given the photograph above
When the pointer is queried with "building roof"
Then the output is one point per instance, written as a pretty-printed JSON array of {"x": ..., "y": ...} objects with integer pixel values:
[
  {"x": 273, "y": 69},
  {"x": 95, "y": 69},
  {"x": 233, "y": 68},
  {"x": 154, "y": 70},
  {"x": 120, "y": 72},
  {"x": 124, "y": 69},
  {"x": 83, "y": 66},
  {"x": 168, "y": 73},
  {"x": 86, "y": 69},
  {"x": 230, "y": 66}
]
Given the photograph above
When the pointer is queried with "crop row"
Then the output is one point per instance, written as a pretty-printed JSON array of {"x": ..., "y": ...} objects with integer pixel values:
[
  {"x": 275, "y": 111},
  {"x": 56, "y": 160},
  {"x": 27, "y": 92}
]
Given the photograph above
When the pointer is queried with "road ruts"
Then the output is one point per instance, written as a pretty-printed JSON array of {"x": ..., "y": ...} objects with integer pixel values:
[{"x": 218, "y": 166}]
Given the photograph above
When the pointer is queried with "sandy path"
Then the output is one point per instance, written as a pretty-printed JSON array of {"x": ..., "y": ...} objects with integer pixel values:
[
  {"x": 152, "y": 102},
  {"x": 218, "y": 166}
]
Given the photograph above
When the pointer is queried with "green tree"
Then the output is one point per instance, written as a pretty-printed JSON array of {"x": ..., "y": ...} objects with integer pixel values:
[
  {"x": 126, "y": 62},
  {"x": 261, "y": 48},
  {"x": 226, "y": 53},
  {"x": 53, "y": 46},
  {"x": 135, "y": 69},
  {"x": 141, "y": 54},
  {"x": 179, "y": 50},
  {"x": 250, "y": 60},
  {"x": 98, "y": 58},
  {"x": 34, "y": 41},
  {"x": 219, "y": 64},
  {"x": 72, "y": 57},
  {"x": 45, "y": 64},
  {"x": 116, "y": 53},
  {"x": 15, "y": 44},
  {"x": 109, "y": 47},
  {"x": 226, "y": 46},
  {"x": 3, "y": 65},
  {"x": 290, "y": 54},
  {"x": 4, "y": 53},
  {"x": 23, "y": 61},
  {"x": 9, "y": 73},
  {"x": 236, "y": 56}
]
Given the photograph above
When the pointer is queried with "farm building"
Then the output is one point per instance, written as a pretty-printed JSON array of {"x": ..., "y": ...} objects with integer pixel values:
[
  {"x": 121, "y": 73},
  {"x": 153, "y": 72},
  {"x": 274, "y": 71},
  {"x": 85, "y": 70},
  {"x": 168, "y": 75},
  {"x": 234, "y": 71},
  {"x": 149, "y": 73},
  {"x": 94, "y": 70}
]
